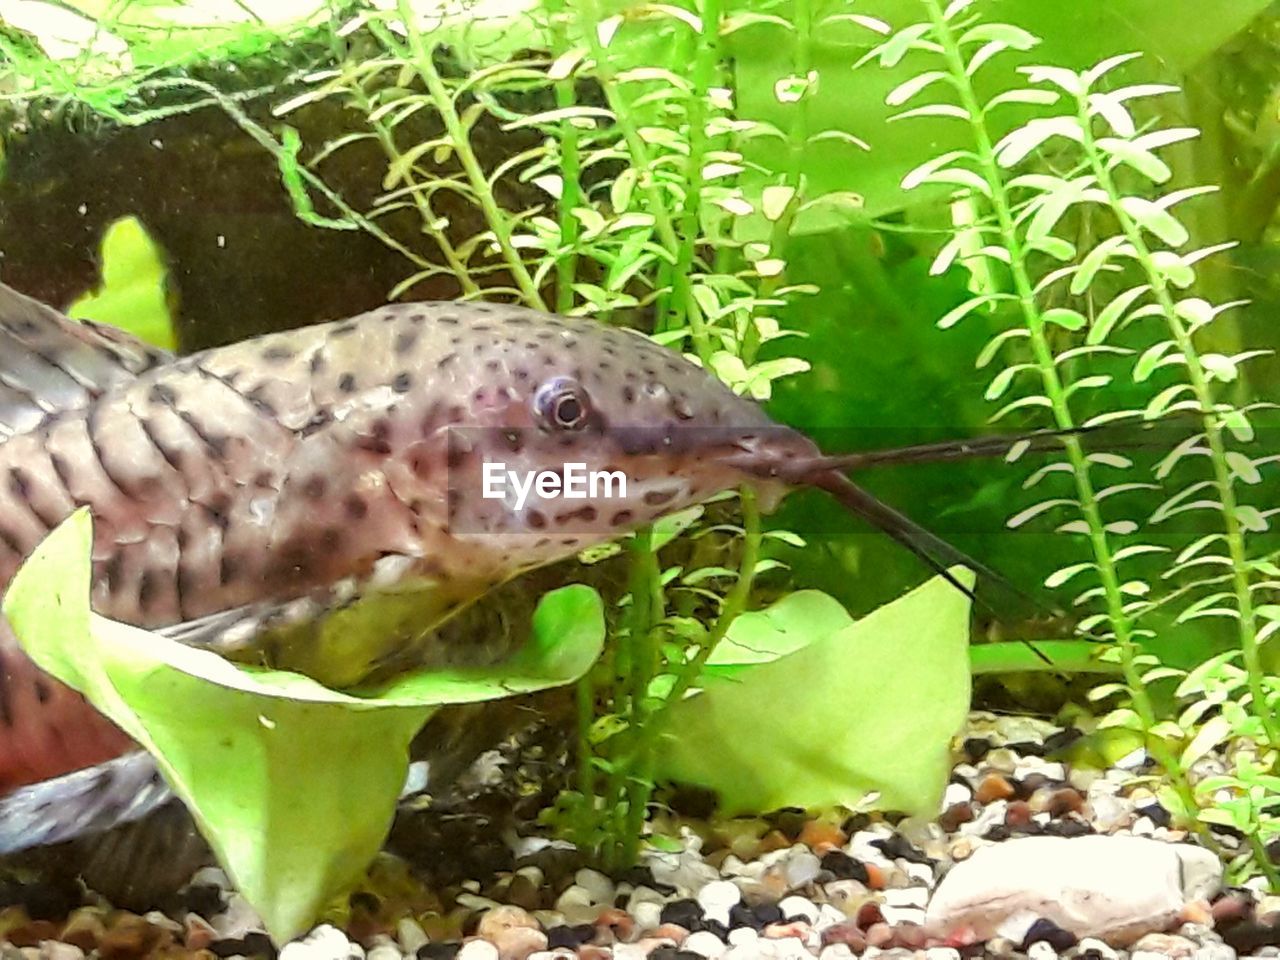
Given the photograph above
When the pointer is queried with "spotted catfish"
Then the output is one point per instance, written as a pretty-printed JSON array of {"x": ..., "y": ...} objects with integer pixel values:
[{"x": 319, "y": 499}]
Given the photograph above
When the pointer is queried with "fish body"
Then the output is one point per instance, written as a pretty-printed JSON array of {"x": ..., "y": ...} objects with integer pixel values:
[{"x": 313, "y": 499}]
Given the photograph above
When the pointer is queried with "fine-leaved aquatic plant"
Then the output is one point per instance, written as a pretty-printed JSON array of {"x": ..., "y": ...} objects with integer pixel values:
[{"x": 1080, "y": 309}]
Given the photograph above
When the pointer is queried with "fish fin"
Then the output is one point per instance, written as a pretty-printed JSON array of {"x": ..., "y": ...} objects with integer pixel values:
[
  {"x": 87, "y": 801},
  {"x": 50, "y": 363}
]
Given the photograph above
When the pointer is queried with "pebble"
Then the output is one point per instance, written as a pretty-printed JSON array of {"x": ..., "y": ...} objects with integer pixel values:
[
  {"x": 705, "y": 944},
  {"x": 598, "y": 887},
  {"x": 325, "y": 942},
  {"x": 717, "y": 898},
  {"x": 476, "y": 950},
  {"x": 385, "y": 951},
  {"x": 517, "y": 943},
  {"x": 793, "y": 907},
  {"x": 411, "y": 935}
]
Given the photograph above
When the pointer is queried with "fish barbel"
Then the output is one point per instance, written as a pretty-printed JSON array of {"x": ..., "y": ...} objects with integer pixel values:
[{"x": 316, "y": 499}]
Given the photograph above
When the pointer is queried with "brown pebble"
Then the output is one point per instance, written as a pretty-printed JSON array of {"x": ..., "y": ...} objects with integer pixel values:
[
  {"x": 955, "y": 815},
  {"x": 879, "y": 935},
  {"x": 84, "y": 928},
  {"x": 846, "y": 933},
  {"x": 1232, "y": 906},
  {"x": 781, "y": 931},
  {"x": 993, "y": 787},
  {"x": 32, "y": 932},
  {"x": 505, "y": 917},
  {"x": 516, "y": 943},
  {"x": 875, "y": 876},
  {"x": 1066, "y": 800},
  {"x": 822, "y": 836},
  {"x": 869, "y": 915},
  {"x": 774, "y": 840},
  {"x": 617, "y": 921},
  {"x": 197, "y": 933},
  {"x": 670, "y": 931},
  {"x": 1197, "y": 911},
  {"x": 1018, "y": 813},
  {"x": 129, "y": 936},
  {"x": 523, "y": 892}
]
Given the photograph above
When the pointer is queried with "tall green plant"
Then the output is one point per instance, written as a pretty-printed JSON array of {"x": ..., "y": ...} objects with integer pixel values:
[{"x": 1075, "y": 318}]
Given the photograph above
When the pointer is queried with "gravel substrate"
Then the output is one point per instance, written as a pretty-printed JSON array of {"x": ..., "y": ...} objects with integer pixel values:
[{"x": 478, "y": 883}]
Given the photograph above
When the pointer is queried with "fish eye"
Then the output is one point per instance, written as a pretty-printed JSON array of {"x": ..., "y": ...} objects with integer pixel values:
[{"x": 562, "y": 404}]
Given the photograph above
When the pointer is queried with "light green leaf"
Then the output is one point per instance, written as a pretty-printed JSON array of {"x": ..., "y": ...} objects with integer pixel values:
[
  {"x": 277, "y": 770},
  {"x": 878, "y": 726},
  {"x": 132, "y": 294}
]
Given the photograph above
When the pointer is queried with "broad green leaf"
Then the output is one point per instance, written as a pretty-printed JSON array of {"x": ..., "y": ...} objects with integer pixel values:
[
  {"x": 792, "y": 623},
  {"x": 132, "y": 295},
  {"x": 868, "y": 708},
  {"x": 293, "y": 785}
]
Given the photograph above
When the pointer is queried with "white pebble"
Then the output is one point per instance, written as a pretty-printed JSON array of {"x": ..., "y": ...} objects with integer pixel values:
[
  {"x": 743, "y": 937},
  {"x": 1040, "y": 950},
  {"x": 385, "y": 951},
  {"x": 1097, "y": 947},
  {"x": 956, "y": 793},
  {"x": 793, "y": 907},
  {"x": 575, "y": 903},
  {"x": 325, "y": 942},
  {"x": 841, "y": 951},
  {"x": 706, "y": 944},
  {"x": 410, "y": 934},
  {"x": 599, "y": 887},
  {"x": 790, "y": 948},
  {"x": 717, "y": 898},
  {"x": 942, "y": 953},
  {"x": 828, "y": 916},
  {"x": 478, "y": 950},
  {"x": 647, "y": 914},
  {"x": 907, "y": 897},
  {"x": 802, "y": 869}
]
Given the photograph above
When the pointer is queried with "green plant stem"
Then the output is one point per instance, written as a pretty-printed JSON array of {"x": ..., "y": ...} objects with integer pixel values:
[
  {"x": 424, "y": 65},
  {"x": 1213, "y": 428},
  {"x": 797, "y": 141},
  {"x": 1056, "y": 392},
  {"x": 736, "y": 600},
  {"x": 457, "y": 268},
  {"x": 570, "y": 169},
  {"x": 646, "y": 182},
  {"x": 1263, "y": 860},
  {"x": 638, "y": 786},
  {"x": 706, "y": 59}
]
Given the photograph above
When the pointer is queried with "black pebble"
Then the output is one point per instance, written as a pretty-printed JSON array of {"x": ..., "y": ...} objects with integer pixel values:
[
  {"x": 975, "y": 748},
  {"x": 1161, "y": 818},
  {"x": 674, "y": 953},
  {"x": 1027, "y": 748},
  {"x": 1248, "y": 936},
  {"x": 1061, "y": 740},
  {"x": 998, "y": 832},
  {"x": 790, "y": 821},
  {"x": 443, "y": 950},
  {"x": 206, "y": 899},
  {"x": 767, "y": 913},
  {"x": 1069, "y": 827},
  {"x": 843, "y": 866},
  {"x": 1050, "y": 933},
  {"x": 740, "y": 915},
  {"x": 899, "y": 846},
  {"x": 254, "y": 944},
  {"x": 685, "y": 913},
  {"x": 570, "y": 937},
  {"x": 710, "y": 926}
]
